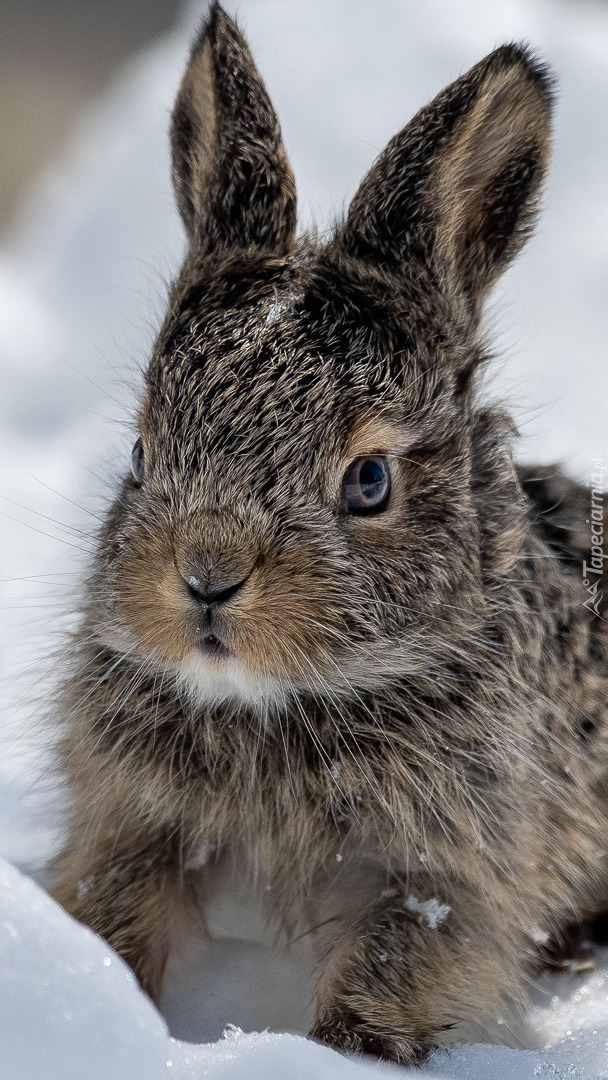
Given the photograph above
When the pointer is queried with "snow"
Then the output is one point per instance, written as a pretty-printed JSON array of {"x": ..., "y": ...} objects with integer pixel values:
[
  {"x": 81, "y": 292},
  {"x": 70, "y": 1009},
  {"x": 430, "y": 913},
  {"x": 200, "y": 857},
  {"x": 540, "y": 937}
]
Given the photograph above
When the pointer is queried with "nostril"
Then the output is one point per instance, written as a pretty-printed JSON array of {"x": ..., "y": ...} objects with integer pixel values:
[{"x": 212, "y": 598}]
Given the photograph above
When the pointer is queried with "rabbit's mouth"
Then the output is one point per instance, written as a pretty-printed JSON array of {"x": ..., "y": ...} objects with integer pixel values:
[{"x": 211, "y": 646}]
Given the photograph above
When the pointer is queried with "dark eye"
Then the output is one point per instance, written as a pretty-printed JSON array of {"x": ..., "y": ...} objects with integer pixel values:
[
  {"x": 367, "y": 484},
  {"x": 137, "y": 462}
]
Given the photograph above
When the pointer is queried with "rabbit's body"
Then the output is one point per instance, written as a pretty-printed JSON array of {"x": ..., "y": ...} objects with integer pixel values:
[{"x": 392, "y": 718}]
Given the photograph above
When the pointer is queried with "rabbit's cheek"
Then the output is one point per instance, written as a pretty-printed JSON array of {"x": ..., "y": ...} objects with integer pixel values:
[{"x": 153, "y": 605}]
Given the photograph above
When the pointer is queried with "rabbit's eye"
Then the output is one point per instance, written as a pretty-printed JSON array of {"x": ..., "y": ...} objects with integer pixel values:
[
  {"x": 367, "y": 484},
  {"x": 137, "y": 462}
]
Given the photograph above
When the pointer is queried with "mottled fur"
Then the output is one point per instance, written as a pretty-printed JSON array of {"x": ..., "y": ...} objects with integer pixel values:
[{"x": 420, "y": 692}]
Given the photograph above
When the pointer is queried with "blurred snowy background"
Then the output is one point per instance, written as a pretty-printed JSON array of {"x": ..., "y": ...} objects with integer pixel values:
[{"x": 88, "y": 246}]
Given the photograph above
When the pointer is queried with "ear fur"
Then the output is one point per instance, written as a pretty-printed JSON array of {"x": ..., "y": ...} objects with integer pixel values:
[
  {"x": 233, "y": 184},
  {"x": 458, "y": 188}
]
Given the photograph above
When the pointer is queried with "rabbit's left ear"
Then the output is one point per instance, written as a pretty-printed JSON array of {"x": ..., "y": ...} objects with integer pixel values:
[
  {"x": 233, "y": 183},
  {"x": 458, "y": 188}
]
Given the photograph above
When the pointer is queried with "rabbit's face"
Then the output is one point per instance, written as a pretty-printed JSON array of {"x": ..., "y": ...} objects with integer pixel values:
[
  {"x": 301, "y": 513},
  {"x": 301, "y": 510}
]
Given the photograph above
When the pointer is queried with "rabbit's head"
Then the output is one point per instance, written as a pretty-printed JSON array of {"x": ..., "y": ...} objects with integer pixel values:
[{"x": 306, "y": 505}]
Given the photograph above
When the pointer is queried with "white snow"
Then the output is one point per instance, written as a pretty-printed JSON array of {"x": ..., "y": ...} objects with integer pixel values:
[
  {"x": 81, "y": 292},
  {"x": 540, "y": 937},
  {"x": 430, "y": 913},
  {"x": 70, "y": 1009},
  {"x": 200, "y": 857}
]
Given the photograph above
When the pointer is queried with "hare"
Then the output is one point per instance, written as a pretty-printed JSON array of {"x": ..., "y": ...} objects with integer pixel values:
[{"x": 331, "y": 634}]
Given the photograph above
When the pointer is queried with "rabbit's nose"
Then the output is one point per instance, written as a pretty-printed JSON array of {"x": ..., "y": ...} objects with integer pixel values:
[{"x": 210, "y": 597}]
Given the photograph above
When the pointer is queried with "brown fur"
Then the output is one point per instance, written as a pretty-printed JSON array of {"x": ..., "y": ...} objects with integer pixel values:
[{"x": 414, "y": 698}]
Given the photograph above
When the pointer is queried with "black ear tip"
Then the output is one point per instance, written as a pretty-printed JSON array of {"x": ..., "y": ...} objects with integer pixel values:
[
  {"x": 209, "y": 23},
  {"x": 214, "y": 11},
  {"x": 520, "y": 54}
]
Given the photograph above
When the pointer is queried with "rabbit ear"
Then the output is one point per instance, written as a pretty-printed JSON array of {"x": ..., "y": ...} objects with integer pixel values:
[
  {"x": 458, "y": 187},
  {"x": 233, "y": 183}
]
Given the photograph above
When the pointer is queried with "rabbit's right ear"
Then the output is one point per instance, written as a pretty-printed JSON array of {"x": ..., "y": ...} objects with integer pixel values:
[
  {"x": 233, "y": 184},
  {"x": 457, "y": 189}
]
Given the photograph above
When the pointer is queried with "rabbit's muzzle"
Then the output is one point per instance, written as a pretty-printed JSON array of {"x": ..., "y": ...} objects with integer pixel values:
[
  {"x": 209, "y": 596},
  {"x": 232, "y": 610}
]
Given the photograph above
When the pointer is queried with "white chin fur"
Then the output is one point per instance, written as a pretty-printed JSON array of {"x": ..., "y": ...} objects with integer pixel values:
[{"x": 215, "y": 681}]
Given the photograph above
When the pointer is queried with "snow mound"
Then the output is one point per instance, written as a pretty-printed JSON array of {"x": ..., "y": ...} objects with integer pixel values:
[{"x": 70, "y": 1009}]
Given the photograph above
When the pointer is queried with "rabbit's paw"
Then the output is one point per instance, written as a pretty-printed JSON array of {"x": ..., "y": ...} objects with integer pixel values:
[{"x": 351, "y": 1034}]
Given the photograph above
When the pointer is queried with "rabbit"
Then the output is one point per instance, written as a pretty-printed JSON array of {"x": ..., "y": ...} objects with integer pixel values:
[{"x": 332, "y": 634}]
